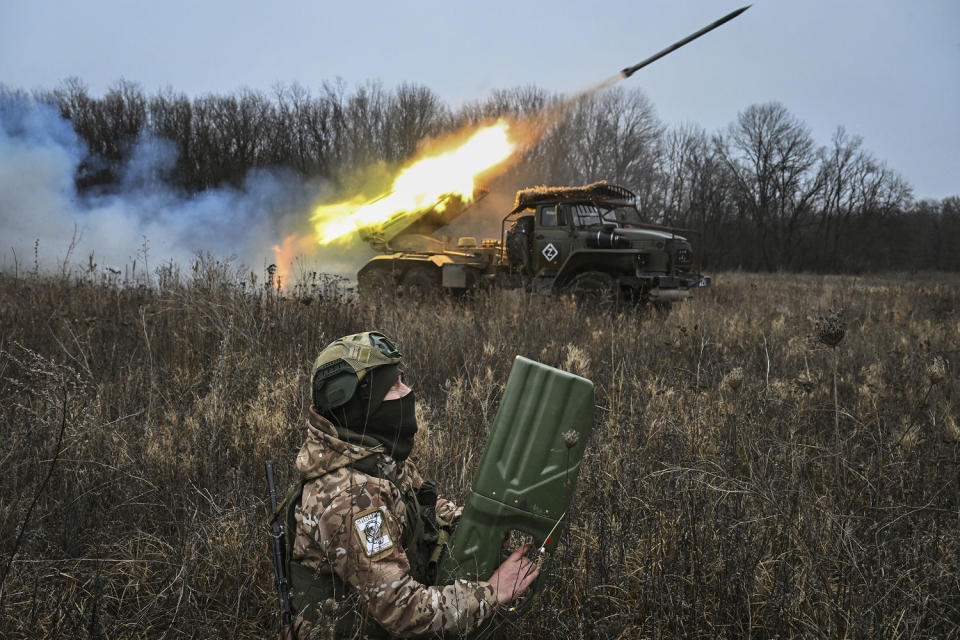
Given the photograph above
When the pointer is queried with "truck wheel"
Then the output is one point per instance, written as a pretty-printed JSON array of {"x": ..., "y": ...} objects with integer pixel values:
[
  {"x": 377, "y": 282},
  {"x": 596, "y": 288},
  {"x": 421, "y": 280}
]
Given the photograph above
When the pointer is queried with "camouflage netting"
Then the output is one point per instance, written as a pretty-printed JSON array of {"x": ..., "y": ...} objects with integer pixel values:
[{"x": 595, "y": 191}]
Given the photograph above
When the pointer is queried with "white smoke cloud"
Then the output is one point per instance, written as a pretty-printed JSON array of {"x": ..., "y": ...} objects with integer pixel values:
[{"x": 39, "y": 158}]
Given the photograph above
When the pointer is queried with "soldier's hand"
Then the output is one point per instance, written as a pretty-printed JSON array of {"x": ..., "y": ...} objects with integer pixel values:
[{"x": 514, "y": 576}]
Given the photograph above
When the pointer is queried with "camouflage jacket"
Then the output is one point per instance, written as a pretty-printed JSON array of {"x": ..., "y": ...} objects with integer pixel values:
[{"x": 350, "y": 523}]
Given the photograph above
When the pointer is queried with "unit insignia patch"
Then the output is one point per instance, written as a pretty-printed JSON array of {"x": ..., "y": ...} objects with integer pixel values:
[{"x": 372, "y": 532}]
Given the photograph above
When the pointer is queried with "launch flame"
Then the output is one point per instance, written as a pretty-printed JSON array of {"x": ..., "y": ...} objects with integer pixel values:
[
  {"x": 428, "y": 183},
  {"x": 423, "y": 185}
]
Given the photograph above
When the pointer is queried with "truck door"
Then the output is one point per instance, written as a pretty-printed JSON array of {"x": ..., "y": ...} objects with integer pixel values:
[{"x": 552, "y": 238}]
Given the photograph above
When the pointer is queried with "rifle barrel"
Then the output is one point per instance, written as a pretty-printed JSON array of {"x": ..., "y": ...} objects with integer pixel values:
[
  {"x": 277, "y": 545},
  {"x": 270, "y": 486}
]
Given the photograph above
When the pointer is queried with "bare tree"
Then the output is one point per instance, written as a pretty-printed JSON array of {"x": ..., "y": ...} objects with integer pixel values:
[
  {"x": 413, "y": 114},
  {"x": 760, "y": 192},
  {"x": 697, "y": 192},
  {"x": 171, "y": 118},
  {"x": 770, "y": 155}
]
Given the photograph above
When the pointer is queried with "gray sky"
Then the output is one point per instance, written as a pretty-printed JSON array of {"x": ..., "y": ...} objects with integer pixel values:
[{"x": 888, "y": 71}]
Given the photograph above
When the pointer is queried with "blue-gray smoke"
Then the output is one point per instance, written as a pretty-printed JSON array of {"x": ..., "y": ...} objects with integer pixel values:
[{"x": 40, "y": 207}]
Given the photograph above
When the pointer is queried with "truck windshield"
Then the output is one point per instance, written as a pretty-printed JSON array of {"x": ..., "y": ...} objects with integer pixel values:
[
  {"x": 585, "y": 215},
  {"x": 588, "y": 215},
  {"x": 623, "y": 216}
]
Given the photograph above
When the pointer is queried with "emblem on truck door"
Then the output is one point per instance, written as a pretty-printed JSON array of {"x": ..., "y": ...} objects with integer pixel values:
[{"x": 550, "y": 252}]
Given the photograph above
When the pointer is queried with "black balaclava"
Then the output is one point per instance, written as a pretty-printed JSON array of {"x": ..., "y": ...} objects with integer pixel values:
[{"x": 368, "y": 420}]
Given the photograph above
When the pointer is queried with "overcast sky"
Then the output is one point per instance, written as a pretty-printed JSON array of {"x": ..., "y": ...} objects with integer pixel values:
[{"x": 886, "y": 70}]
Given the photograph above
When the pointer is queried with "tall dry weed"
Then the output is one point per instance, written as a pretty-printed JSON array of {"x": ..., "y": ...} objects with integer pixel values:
[{"x": 737, "y": 483}]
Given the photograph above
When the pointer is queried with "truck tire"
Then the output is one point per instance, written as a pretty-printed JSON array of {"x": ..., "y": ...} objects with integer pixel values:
[
  {"x": 519, "y": 244},
  {"x": 377, "y": 282},
  {"x": 421, "y": 280},
  {"x": 596, "y": 289}
]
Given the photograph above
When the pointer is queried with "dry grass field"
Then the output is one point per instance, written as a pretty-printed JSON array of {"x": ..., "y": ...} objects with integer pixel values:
[{"x": 745, "y": 479}]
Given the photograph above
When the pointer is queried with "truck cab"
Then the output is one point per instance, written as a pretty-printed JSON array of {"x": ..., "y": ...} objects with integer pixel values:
[{"x": 592, "y": 241}]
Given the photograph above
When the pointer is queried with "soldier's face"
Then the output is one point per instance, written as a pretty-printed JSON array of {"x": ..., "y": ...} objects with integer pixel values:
[{"x": 397, "y": 391}]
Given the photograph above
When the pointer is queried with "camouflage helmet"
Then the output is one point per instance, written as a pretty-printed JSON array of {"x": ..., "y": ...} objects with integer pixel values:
[{"x": 344, "y": 363}]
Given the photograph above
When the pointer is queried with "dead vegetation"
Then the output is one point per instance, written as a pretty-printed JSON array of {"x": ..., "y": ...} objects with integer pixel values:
[{"x": 744, "y": 479}]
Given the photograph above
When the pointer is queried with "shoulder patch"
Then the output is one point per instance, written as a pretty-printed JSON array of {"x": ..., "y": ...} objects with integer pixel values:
[{"x": 372, "y": 531}]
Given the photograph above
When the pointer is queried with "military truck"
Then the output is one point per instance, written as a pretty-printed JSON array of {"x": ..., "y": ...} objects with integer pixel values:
[{"x": 588, "y": 241}]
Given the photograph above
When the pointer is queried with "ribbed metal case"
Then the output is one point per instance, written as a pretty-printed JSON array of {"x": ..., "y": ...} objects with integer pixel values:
[{"x": 528, "y": 471}]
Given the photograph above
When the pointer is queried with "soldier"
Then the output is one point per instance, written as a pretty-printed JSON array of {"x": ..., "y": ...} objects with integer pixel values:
[{"x": 368, "y": 529}]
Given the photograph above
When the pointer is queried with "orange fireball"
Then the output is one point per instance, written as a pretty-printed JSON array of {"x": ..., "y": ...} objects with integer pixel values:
[
  {"x": 425, "y": 184},
  {"x": 421, "y": 185}
]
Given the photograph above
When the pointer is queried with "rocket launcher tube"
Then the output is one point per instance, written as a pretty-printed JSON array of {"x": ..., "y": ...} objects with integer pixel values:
[
  {"x": 528, "y": 472},
  {"x": 424, "y": 221}
]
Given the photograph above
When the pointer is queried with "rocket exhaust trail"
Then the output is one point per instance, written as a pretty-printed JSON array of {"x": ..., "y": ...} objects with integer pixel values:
[{"x": 629, "y": 71}]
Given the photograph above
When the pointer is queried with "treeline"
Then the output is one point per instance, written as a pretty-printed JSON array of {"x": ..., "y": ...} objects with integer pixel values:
[{"x": 760, "y": 194}]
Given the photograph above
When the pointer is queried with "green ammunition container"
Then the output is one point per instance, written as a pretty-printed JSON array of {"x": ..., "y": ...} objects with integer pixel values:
[{"x": 528, "y": 472}]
